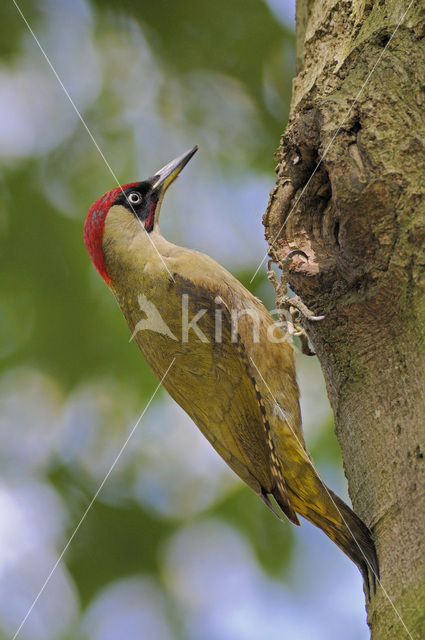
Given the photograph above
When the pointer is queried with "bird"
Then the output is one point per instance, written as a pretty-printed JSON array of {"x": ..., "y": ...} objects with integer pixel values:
[{"x": 231, "y": 367}]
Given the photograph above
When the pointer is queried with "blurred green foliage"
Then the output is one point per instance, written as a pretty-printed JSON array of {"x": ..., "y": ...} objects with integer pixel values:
[
  {"x": 13, "y": 27},
  {"x": 233, "y": 38}
]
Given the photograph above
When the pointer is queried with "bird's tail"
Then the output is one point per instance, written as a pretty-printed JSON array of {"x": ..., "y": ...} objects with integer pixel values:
[{"x": 344, "y": 527}]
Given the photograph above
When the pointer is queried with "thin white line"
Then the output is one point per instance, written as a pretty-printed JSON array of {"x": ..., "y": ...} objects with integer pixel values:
[
  {"x": 333, "y": 138},
  {"x": 83, "y": 517},
  {"x": 87, "y": 129},
  {"x": 330, "y": 496}
]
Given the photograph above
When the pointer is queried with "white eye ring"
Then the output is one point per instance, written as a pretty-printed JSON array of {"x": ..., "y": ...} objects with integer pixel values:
[{"x": 134, "y": 198}]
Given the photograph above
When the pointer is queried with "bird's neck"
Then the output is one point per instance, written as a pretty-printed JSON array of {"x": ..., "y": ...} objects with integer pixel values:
[{"x": 131, "y": 254}]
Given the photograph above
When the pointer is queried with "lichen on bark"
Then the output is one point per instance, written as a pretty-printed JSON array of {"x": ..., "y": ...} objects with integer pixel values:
[{"x": 350, "y": 193}]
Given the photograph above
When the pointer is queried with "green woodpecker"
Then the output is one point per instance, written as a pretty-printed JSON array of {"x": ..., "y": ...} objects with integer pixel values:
[{"x": 232, "y": 366}]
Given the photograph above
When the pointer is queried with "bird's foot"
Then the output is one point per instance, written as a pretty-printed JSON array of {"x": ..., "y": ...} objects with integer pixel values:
[{"x": 291, "y": 309}]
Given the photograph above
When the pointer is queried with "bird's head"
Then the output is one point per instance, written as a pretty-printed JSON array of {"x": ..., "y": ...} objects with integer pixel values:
[{"x": 141, "y": 199}]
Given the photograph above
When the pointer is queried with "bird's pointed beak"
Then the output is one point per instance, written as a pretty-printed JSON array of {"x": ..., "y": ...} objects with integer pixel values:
[{"x": 165, "y": 176}]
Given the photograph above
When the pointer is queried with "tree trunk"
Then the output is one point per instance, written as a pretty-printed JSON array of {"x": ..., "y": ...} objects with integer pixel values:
[{"x": 361, "y": 220}]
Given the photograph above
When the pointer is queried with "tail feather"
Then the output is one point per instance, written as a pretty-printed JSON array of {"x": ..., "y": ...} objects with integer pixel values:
[{"x": 346, "y": 529}]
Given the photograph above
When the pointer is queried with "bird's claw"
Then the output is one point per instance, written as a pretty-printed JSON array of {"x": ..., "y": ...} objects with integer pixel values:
[
  {"x": 292, "y": 253},
  {"x": 291, "y": 308}
]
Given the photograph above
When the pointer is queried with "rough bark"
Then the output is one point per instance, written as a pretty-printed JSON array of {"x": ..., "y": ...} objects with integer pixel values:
[{"x": 361, "y": 221}]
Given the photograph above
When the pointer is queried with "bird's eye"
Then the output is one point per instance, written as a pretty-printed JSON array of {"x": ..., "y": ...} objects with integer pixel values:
[{"x": 134, "y": 198}]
